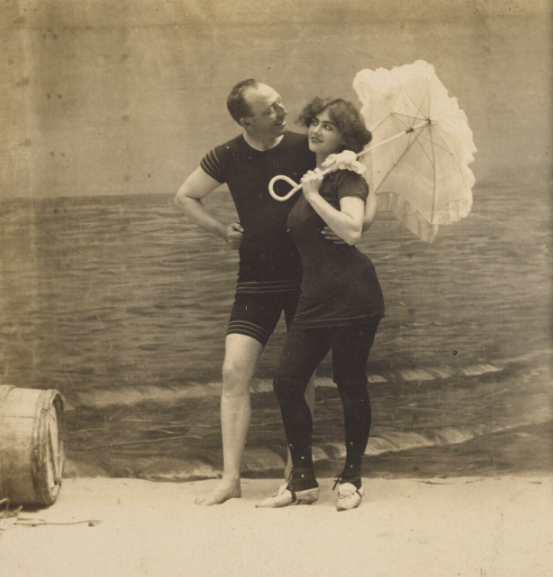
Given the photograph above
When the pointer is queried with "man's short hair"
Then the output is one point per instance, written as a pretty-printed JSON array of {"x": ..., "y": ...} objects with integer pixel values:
[{"x": 236, "y": 103}]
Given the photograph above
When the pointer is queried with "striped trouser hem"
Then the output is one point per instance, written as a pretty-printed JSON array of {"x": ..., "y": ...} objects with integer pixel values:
[{"x": 239, "y": 327}]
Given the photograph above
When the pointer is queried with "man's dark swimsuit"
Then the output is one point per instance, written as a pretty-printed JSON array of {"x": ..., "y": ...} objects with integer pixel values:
[{"x": 269, "y": 274}]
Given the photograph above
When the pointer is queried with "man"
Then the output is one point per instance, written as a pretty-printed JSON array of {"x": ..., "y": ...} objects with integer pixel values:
[{"x": 270, "y": 269}]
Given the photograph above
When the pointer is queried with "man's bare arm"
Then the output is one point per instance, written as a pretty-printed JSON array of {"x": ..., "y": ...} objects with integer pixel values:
[{"x": 189, "y": 200}]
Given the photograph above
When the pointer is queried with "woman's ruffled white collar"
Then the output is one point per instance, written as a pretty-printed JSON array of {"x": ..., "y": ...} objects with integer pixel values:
[{"x": 346, "y": 160}]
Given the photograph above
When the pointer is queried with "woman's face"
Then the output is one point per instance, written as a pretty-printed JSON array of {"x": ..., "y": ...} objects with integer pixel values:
[{"x": 324, "y": 137}]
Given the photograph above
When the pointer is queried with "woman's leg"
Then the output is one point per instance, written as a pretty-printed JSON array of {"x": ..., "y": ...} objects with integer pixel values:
[
  {"x": 303, "y": 352},
  {"x": 310, "y": 400},
  {"x": 290, "y": 306},
  {"x": 350, "y": 352}
]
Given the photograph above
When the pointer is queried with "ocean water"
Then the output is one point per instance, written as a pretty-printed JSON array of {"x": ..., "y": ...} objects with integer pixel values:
[{"x": 122, "y": 305}]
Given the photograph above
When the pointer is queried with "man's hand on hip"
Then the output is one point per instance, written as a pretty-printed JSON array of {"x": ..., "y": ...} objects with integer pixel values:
[{"x": 235, "y": 232}]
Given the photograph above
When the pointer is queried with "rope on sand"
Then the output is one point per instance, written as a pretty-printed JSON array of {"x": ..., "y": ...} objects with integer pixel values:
[
  {"x": 23, "y": 522},
  {"x": 6, "y": 513}
]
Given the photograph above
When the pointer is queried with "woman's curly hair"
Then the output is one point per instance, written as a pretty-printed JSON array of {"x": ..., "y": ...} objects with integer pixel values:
[{"x": 345, "y": 116}]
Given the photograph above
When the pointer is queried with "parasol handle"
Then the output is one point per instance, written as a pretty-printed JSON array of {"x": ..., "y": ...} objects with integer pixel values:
[
  {"x": 297, "y": 187},
  {"x": 291, "y": 183}
]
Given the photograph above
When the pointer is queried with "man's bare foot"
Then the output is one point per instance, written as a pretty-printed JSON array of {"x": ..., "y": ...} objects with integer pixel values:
[{"x": 225, "y": 491}]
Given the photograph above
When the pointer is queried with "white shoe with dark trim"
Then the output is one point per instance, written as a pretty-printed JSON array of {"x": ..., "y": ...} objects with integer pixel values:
[
  {"x": 285, "y": 496},
  {"x": 349, "y": 497}
]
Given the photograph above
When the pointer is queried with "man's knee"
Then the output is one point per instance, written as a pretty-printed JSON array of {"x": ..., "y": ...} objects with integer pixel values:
[
  {"x": 236, "y": 376},
  {"x": 241, "y": 356}
]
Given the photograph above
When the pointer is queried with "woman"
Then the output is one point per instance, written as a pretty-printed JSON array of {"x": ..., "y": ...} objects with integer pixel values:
[{"x": 340, "y": 306}]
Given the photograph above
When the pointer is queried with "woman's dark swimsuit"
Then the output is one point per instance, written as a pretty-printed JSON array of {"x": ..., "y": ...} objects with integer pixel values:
[{"x": 340, "y": 307}]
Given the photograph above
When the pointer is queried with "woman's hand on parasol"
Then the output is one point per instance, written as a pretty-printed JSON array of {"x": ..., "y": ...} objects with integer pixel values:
[{"x": 311, "y": 183}]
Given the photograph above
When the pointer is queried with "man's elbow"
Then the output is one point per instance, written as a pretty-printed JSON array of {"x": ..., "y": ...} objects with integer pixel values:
[
  {"x": 366, "y": 225},
  {"x": 182, "y": 200}
]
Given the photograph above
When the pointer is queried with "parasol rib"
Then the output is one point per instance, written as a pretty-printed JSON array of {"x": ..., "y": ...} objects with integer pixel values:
[
  {"x": 408, "y": 131},
  {"x": 403, "y": 154},
  {"x": 447, "y": 150}
]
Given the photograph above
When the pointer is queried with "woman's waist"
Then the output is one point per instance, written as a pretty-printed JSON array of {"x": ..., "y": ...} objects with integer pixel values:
[
  {"x": 337, "y": 265},
  {"x": 321, "y": 278}
]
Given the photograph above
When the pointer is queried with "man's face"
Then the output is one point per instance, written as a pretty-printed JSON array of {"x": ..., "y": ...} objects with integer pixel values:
[{"x": 268, "y": 118}]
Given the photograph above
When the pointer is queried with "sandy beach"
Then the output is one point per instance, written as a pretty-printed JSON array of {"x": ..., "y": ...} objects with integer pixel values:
[{"x": 472, "y": 526}]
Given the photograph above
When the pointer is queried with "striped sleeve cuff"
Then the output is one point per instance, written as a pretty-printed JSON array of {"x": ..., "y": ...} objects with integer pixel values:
[{"x": 212, "y": 166}]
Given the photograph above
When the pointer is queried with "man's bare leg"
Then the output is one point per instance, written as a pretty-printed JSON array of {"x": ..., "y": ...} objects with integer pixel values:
[
  {"x": 241, "y": 356},
  {"x": 310, "y": 400}
]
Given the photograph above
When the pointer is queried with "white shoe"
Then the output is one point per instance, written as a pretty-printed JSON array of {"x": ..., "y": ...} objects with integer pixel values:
[
  {"x": 284, "y": 497},
  {"x": 349, "y": 497}
]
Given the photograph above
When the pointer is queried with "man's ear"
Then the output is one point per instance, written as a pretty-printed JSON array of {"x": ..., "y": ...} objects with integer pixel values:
[{"x": 245, "y": 122}]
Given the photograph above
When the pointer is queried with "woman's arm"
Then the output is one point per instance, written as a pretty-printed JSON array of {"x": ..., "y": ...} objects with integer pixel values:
[
  {"x": 370, "y": 210},
  {"x": 368, "y": 219},
  {"x": 347, "y": 222}
]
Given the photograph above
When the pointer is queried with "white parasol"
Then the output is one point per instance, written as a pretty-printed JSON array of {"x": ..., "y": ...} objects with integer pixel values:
[{"x": 422, "y": 146}]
